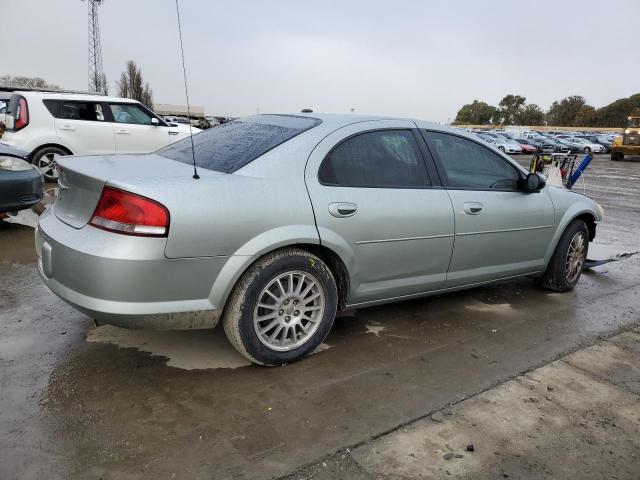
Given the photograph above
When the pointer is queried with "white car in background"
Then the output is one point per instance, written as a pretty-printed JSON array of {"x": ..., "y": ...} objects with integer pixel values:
[{"x": 51, "y": 125}]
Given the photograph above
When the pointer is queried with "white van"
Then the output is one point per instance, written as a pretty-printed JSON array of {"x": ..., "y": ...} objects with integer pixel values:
[{"x": 51, "y": 125}]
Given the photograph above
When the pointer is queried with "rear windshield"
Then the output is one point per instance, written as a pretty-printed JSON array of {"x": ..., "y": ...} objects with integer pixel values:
[{"x": 228, "y": 147}]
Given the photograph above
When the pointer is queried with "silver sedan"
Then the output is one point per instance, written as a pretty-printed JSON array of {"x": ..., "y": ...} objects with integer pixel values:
[{"x": 290, "y": 218}]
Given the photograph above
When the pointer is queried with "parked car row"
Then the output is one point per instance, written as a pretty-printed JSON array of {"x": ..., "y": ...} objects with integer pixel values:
[{"x": 547, "y": 141}]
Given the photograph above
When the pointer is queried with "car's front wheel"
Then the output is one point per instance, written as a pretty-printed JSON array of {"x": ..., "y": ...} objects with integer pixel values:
[
  {"x": 565, "y": 266},
  {"x": 282, "y": 307},
  {"x": 587, "y": 150}
]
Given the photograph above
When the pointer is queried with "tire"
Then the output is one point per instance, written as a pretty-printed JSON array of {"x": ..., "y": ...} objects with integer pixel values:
[
  {"x": 563, "y": 272},
  {"x": 292, "y": 339},
  {"x": 587, "y": 150},
  {"x": 617, "y": 156},
  {"x": 501, "y": 149},
  {"x": 45, "y": 159}
]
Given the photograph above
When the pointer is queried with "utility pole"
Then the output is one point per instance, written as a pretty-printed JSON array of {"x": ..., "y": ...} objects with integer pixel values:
[{"x": 97, "y": 79}]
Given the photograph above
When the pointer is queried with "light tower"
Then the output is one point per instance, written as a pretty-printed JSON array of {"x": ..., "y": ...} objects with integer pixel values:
[{"x": 97, "y": 79}]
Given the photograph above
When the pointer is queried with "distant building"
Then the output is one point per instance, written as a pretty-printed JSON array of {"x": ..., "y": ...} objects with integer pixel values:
[{"x": 178, "y": 110}]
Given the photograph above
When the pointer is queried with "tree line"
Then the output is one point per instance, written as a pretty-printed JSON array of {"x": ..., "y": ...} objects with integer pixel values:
[
  {"x": 130, "y": 85},
  {"x": 572, "y": 111}
]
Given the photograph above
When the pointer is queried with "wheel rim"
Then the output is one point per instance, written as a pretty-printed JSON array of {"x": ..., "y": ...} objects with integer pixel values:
[
  {"x": 289, "y": 310},
  {"x": 587, "y": 150},
  {"x": 575, "y": 257},
  {"x": 47, "y": 165}
]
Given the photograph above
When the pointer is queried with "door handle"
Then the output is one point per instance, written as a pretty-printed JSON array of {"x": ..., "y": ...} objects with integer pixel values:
[
  {"x": 122, "y": 131},
  {"x": 67, "y": 127},
  {"x": 342, "y": 209},
  {"x": 473, "y": 208}
]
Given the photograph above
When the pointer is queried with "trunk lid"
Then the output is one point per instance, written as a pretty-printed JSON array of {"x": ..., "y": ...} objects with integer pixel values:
[{"x": 82, "y": 179}]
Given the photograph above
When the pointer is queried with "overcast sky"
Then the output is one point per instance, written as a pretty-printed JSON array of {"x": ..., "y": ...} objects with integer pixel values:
[{"x": 395, "y": 57}]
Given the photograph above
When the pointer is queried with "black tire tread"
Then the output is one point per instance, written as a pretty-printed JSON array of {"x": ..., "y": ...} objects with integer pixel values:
[
  {"x": 554, "y": 276},
  {"x": 233, "y": 310}
]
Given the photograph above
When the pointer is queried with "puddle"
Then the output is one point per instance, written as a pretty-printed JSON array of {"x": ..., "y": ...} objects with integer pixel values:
[
  {"x": 375, "y": 329},
  {"x": 187, "y": 350},
  {"x": 490, "y": 307}
]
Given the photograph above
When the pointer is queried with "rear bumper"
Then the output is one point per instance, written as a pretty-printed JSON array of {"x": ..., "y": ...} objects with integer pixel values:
[
  {"x": 20, "y": 190},
  {"x": 126, "y": 281}
]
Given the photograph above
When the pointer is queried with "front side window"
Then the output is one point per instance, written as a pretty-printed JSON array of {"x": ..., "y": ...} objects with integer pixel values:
[
  {"x": 129, "y": 113},
  {"x": 469, "y": 165},
  {"x": 384, "y": 158}
]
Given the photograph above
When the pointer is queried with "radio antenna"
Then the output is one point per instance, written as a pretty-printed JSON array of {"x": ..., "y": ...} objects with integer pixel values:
[{"x": 186, "y": 91}]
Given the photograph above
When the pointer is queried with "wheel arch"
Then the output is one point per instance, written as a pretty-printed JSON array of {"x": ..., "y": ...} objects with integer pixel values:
[
  {"x": 47, "y": 145},
  {"x": 237, "y": 265},
  {"x": 584, "y": 215}
]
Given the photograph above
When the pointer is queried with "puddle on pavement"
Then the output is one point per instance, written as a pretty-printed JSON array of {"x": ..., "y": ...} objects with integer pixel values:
[
  {"x": 187, "y": 350},
  {"x": 374, "y": 329},
  {"x": 478, "y": 306}
]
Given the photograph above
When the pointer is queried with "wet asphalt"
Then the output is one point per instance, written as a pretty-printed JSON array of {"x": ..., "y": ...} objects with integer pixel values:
[{"x": 80, "y": 401}]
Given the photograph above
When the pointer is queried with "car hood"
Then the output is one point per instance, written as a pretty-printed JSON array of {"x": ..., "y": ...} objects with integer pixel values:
[{"x": 12, "y": 151}]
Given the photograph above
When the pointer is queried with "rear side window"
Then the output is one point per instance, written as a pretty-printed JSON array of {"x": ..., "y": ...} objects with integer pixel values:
[
  {"x": 228, "y": 147},
  {"x": 382, "y": 158},
  {"x": 469, "y": 165},
  {"x": 88, "y": 111}
]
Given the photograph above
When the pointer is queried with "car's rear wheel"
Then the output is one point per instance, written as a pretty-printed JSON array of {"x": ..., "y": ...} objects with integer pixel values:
[
  {"x": 615, "y": 156},
  {"x": 46, "y": 159},
  {"x": 565, "y": 266},
  {"x": 282, "y": 308}
]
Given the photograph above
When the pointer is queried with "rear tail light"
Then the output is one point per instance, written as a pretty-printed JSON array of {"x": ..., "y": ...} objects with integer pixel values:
[
  {"x": 21, "y": 114},
  {"x": 130, "y": 214}
]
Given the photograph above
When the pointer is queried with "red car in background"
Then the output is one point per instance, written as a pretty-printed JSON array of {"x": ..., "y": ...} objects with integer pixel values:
[{"x": 526, "y": 146}]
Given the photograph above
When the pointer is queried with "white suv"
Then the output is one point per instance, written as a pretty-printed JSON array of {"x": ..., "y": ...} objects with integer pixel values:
[{"x": 51, "y": 125}]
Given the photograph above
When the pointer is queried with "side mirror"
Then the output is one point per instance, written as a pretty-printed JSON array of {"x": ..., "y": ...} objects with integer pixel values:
[
  {"x": 155, "y": 122},
  {"x": 534, "y": 182}
]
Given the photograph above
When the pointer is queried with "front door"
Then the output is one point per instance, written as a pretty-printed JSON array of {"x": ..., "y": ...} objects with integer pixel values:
[
  {"x": 501, "y": 231},
  {"x": 134, "y": 132},
  {"x": 379, "y": 209}
]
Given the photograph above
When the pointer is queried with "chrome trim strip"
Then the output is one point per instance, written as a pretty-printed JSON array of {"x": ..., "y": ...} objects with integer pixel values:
[
  {"x": 364, "y": 242},
  {"x": 503, "y": 231}
]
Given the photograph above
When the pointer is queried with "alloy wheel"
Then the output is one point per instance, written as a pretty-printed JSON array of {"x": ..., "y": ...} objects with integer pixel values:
[
  {"x": 575, "y": 257},
  {"x": 289, "y": 310},
  {"x": 47, "y": 165}
]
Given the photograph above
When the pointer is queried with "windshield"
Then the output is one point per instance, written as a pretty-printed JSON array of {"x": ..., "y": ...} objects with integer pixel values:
[
  {"x": 634, "y": 123},
  {"x": 228, "y": 147}
]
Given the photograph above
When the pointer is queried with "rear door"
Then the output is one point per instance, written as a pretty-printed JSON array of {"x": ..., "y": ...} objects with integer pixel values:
[
  {"x": 134, "y": 132},
  {"x": 82, "y": 126},
  {"x": 500, "y": 231},
  {"x": 380, "y": 206}
]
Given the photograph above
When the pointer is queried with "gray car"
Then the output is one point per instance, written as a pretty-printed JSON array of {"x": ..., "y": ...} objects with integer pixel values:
[{"x": 293, "y": 217}]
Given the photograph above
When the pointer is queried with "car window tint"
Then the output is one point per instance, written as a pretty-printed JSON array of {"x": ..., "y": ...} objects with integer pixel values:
[
  {"x": 389, "y": 158},
  {"x": 232, "y": 145},
  {"x": 468, "y": 164},
  {"x": 129, "y": 113},
  {"x": 88, "y": 111}
]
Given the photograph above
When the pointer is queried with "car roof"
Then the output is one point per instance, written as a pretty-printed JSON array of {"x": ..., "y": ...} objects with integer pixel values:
[{"x": 73, "y": 96}]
